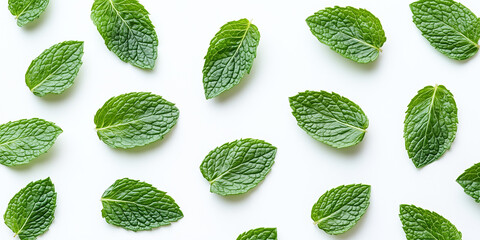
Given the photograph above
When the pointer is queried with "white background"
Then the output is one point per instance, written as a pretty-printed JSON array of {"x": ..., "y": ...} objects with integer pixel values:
[{"x": 289, "y": 60}]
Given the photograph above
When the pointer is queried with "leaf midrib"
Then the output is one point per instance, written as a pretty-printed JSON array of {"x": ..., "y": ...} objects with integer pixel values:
[
  {"x": 127, "y": 202},
  {"x": 430, "y": 107}
]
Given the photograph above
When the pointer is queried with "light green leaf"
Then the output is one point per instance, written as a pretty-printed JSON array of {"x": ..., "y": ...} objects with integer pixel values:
[
  {"x": 26, "y": 11},
  {"x": 238, "y": 166},
  {"x": 354, "y": 33},
  {"x": 127, "y": 31},
  {"x": 259, "y": 234},
  {"x": 24, "y": 140},
  {"x": 470, "y": 181},
  {"x": 339, "y": 209},
  {"x": 31, "y": 211},
  {"x": 230, "y": 56},
  {"x": 138, "y": 206},
  {"x": 449, "y": 26},
  {"x": 55, "y": 69},
  {"x": 135, "y": 119},
  {"x": 422, "y": 224},
  {"x": 430, "y": 125},
  {"x": 329, "y": 118}
]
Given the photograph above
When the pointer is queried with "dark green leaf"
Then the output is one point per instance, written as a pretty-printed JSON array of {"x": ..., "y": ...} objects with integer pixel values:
[
  {"x": 354, "y": 33},
  {"x": 138, "y": 206},
  {"x": 430, "y": 125},
  {"x": 329, "y": 118},
  {"x": 135, "y": 119},
  {"x": 230, "y": 56},
  {"x": 238, "y": 166},
  {"x": 339, "y": 209}
]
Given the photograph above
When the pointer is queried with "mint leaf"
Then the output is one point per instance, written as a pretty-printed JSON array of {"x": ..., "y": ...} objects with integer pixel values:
[
  {"x": 470, "y": 181},
  {"x": 354, "y": 33},
  {"x": 26, "y": 11},
  {"x": 420, "y": 223},
  {"x": 449, "y": 26},
  {"x": 138, "y": 206},
  {"x": 135, "y": 119},
  {"x": 31, "y": 211},
  {"x": 238, "y": 166},
  {"x": 55, "y": 69},
  {"x": 259, "y": 234},
  {"x": 430, "y": 125},
  {"x": 230, "y": 56},
  {"x": 329, "y": 118},
  {"x": 339, "y": 209},
  {"x": 24, "y": 140},
  {"x": 127, "y": 31}
]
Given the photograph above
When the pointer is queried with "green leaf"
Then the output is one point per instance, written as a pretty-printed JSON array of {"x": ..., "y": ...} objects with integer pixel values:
[
  {"x": 339, "y": 209},
  {"x": 26, "y": 11},
  {"x": 127, "y": 31},
  {"x": 329, "y": 118},
  {"x": 470, "y": 181},
  {"x": 31, "y": 211},
  {"x": 135, "y": 119},
  {"x": 55, "y": 69},
  {"x": 430, "y": 125},
  {"x": 24, "y": 140},
  {"x": 238, "y": 166},
  {"x": 422, "y": 224},
  {"x": 354, "y": 33},
  {"x": 138, "y": 206},
  {"x": 449, "y": 26},
  {"x": 230, "y": 56},
  {"x": 259, "y": 234}
]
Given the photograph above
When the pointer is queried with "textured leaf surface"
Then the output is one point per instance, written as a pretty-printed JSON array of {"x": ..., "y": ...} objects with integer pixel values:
[
  {"x": 449, "y": 26},
  {"x": 127, "y": 31},
  {"x": 138, "y": 206},
  {"x": 238, "y": 166},
  {"x": 354, "y": 33},
  {"x": 55, "y": 69},
  {"x": 329, "y": 118},
  {"x": 26, "y": 11},
  {"x": 23, "y": 140},
  {"x": 430, "y": 125},
  {"x": 339, "y": 209},
  {"x": 259, "y": 234},
  {"x": 31, "y": 211},
  {"x": 135, "y": 119},
  {"x": 230, "y": 56},
  {"x": 421, "y": 224},
  {"x": 470, "y": 181}
]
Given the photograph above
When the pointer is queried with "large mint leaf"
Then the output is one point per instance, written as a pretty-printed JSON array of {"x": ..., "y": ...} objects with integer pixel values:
[
  {"x": 24, "y": 140},
  {"x": 329, "y": 118},
  {"x": 470, "y": 181},
  {"x": 230, "y": 56},
  {"x": 430, "y": 125},
  {"x": 449, "y": 26},
  {"x": 55, "y": 69},
  {"x": 354, "y": 33},
  {"x": 420, "y": 224},
  {"x": 135, "y": 119},
  {"x": 127, "y": 31},
  {"x": 31, "y": 211},
  {"x": 339, "y": 209},
  {"x": 26, "y": 11},
  {"x": 259, "y": 234},
  {"x": 138, "y": 206},
  {"x": 238, "y": 166}
]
